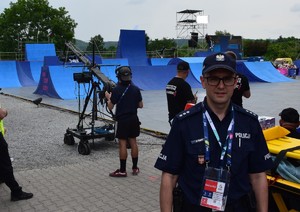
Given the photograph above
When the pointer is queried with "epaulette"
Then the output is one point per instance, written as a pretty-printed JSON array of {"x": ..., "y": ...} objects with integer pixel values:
[
  {"x": 245, "y": 111},
  {"x": 191, "y": 111}
]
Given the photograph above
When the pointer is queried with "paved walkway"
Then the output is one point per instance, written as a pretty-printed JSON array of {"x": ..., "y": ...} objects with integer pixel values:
[{"x": 87, "y": 187}]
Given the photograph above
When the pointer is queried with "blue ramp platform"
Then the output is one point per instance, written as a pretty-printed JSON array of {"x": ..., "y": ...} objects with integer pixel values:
[
  {"x": 109, "y": 66},
  {"x": 196, "y": 64},
  {"x": 157, "y": 77},
  {"x": 132, "y": 45},
  {"x": 8, "y": 75},
  {"x": 243, "y": 69},
  {"x": 266, "y": 72},
  {"x": 159, "y": 61},
  {"x": 24, "y": 74},
  {"x": 37, "y": 52},
  {"x": 57, "y": 82}
]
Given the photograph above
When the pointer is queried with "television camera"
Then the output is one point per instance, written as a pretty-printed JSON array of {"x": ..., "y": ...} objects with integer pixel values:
[{"x": 84, "y": 134}]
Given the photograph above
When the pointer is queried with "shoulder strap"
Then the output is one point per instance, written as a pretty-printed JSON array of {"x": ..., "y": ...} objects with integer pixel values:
[
  {"x": 123, "y": 94},
  {"x": 280, "y": 156}
]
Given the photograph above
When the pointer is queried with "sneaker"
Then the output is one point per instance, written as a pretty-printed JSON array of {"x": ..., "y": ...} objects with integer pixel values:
[
  {"x": 22, "y": 196},
  {"x": 135, "y": 171},
  {"x": 118, "y": 173}
]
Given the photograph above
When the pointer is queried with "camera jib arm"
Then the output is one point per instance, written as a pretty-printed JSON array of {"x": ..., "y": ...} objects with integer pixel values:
[{"x": 93, "y": 95}]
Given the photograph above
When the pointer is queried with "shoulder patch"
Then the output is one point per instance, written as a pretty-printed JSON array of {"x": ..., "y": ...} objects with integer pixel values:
[
  {"x": 189, "y": 112},
  {"x": 245, "y": 111}
]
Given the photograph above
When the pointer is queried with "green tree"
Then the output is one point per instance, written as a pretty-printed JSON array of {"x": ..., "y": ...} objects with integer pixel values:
[
  {"x": 97, "y": 43},
  {"x": 34, "y": 21},
  {"x": 255, "y": 47},
  {"x": 147, "y": 40},
  {"x": 163, "y": 48},
  {"x": 283, "y": 47},
  {"x": 219, "y": 32},
  {"x": 155, "y": 45}
]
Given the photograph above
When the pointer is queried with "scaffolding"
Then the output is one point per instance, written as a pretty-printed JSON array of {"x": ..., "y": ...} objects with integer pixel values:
[{"x": 188, "y": 25}]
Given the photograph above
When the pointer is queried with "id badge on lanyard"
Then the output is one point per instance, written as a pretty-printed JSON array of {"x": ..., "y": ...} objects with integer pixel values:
[
  {"x": 215, "y": 188},
  {"x": 215, "y": 184}
]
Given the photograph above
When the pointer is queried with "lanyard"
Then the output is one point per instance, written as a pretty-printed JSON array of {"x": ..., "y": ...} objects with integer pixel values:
[
  {"x": 123, "y": 94},
  {"x": 227, "y": 146}
]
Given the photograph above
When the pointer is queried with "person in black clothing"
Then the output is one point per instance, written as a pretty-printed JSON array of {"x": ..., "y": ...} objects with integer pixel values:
[
  {"x": 179, "y": 92},
  {"x": 290, "y": 121},
  {"x": 242, "y": 88},
  {"x": 6, "y": 169},
  {"x": 127, "y": 98}
]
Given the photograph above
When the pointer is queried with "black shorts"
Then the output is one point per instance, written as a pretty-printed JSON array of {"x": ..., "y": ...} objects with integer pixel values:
[{"x": 128, "y": 127}]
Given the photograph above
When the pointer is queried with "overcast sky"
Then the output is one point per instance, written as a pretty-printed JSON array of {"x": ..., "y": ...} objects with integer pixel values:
[{"x": 256, "y": 19}]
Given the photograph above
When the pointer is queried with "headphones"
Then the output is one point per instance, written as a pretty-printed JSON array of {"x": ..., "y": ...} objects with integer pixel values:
[{"x": 123, "y": 72}]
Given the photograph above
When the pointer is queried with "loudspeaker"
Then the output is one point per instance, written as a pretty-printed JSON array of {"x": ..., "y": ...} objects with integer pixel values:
[
  {"x": 194, "y": 40},
  {"x": 194, "y": 36}
]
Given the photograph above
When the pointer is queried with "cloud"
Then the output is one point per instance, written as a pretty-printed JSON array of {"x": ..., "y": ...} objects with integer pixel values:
[{"x": 295, "y": 8}]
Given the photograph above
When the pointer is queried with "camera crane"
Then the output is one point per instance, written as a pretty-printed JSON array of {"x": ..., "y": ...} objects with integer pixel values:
[{"x": 92, "y": 132}]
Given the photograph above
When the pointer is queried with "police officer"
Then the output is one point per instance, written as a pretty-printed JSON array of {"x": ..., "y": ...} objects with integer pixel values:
[
  {"x": 6, "y": 169},
  {"x": 215, "y": 151}
]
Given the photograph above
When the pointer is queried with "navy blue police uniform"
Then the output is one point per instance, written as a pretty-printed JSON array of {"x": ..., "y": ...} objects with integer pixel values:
[
  {"x": 185, "y": 143},
  {"x": 126, "y": 97}
]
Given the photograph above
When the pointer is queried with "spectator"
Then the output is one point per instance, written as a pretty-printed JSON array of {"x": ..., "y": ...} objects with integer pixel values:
[
  {"x": 127, "y": 98},
  {"x": 242, "y": 88},
  {"x": 178, "y": 91},
  {"x": 290, "y": 121},
  {"x": 6, "y": 169},
  {"x": 211, "y": 141}
]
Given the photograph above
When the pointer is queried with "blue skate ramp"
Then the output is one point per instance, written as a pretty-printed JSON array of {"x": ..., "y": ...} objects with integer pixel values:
[
  {"x": 9, "y": 76},
  {"x": 159, "y": 61},
  {"x": 132, "y": 45},
  {"x": 266, "y": 72},
  {"x": 52, "y": 61},
  {"x": 24, "y": 74},
  {"x": 37, "y": 52},
  {"x": 35, "y": 67},
  {"x": 186, "y": 59},
  {"x": 109, "y": 66},
  {"x": 157, "y": 77},
  {"x": 243, "y": 69},
  {"x": 196, "y": 70},
  {"x": 196, "y": 64},
  {"x": 57, "y": 82}
]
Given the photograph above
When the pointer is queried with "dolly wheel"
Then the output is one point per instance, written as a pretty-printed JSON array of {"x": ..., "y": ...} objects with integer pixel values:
[
  {"x": 84, "y": 148},
  {"x": 69, "y": 139}
]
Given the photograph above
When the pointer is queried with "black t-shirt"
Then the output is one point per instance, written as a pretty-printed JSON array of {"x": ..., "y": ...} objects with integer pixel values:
[
  {"x": 241, "y": 87},
  {"x": 294, "y": 134},
  {"x": 179, "y": 93},
  {"x": 127, "y": 98}
]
